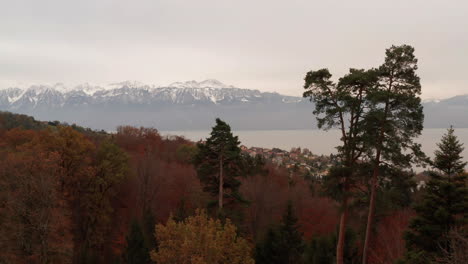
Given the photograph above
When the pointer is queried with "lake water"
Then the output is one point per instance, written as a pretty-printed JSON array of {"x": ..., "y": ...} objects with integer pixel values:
[{"x": 317, "y": 141}]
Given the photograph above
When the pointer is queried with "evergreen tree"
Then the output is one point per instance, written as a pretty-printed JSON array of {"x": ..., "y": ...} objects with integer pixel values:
[
  {"x": 447, "y": 158},
  {"x": 394, "y": 119},
  {"x": 283, "y": 245},
  {"x": 267, "y": 251},
  {"x": 219, "y": 163},
  {"x": 343, "y": 106},
  {"x": 444, "y": 205},
  {"x": 136, "y": 251},
  {"x": 148, "y": 229},
  {"x": 321, "y": 249}
]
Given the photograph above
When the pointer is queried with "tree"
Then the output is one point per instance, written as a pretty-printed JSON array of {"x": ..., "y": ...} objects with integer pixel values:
[
  {"x": 458, "y": 253},
  {"x": 444, "y": 206},
  {"x": 395, "y": 118},
  {"x": 33, "y": 223},
  {"x": 200, "y": 240},
  {"x": 218, "y": 162},
  {"x": 321, "y": 249},
  {"x": 448, "y": 157},
  {"x": 136, "y": 251},
  {"x": 111, "y": 168},
  {"x": 290, "y": 237},
  {"x": 283, "y": 245},
  {"x": 342, "y": 106}
]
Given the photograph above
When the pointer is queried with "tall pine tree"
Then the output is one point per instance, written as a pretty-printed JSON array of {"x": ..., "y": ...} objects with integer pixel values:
[
  {"x": 343, "y": 106},
  {"x": 394, "y": 119},
  {"x": 219, "y": 163},
  {"x": 444, "y": 205}
]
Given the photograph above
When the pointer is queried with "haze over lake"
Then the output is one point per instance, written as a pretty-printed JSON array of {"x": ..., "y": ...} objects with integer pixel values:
[{"x": 317, "y": 141}]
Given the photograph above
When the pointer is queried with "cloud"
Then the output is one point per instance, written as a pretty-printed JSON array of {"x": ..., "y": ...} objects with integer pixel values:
[{"x": 268, "y": 45}]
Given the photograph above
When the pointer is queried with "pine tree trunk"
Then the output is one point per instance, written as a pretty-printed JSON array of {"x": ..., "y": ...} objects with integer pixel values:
[
  {"x": 221, "y": 183},
  {"x": 342, "y": 232},
  {"x": 370, "y": 215}
]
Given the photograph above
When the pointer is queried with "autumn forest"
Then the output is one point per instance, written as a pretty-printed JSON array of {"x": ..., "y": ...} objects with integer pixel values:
[{"x": 69, "y": 194}]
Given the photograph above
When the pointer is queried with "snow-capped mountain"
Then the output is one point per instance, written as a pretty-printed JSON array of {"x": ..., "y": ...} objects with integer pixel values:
[
  {"x": 178, "y": 105},
  {"x": 186, "y": 105},
  {"x": 131, "y": 92}
]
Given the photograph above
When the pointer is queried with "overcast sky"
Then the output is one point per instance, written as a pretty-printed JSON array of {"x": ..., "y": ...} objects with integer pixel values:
[{"x": 261, "y": 44}]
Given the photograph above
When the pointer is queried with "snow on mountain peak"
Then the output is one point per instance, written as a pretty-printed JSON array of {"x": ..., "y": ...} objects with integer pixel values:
[
  {"x": 88, "y": 88},
  {"x": 431, "y": 100},
  {"x": 209, "y": 83},
  {"x": 128, "y": 83}
]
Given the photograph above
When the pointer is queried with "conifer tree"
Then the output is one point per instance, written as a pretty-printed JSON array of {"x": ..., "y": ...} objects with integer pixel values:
[
  {"x": 394, "y": 119},
  {"x": 136, "y": 251},
  {"x": 283, "y": 245},
  {"x": 444, "y": 206},
  {"x": 219, "y": 163},
  {"x": 343, "y": 106},
  {"x": 291, "y": 238},
  {"x": 267, "y": 251},
  {"x": 448, "y": 157}
]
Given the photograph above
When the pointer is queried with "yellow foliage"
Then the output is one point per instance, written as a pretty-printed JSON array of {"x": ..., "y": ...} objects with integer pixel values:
[{"x": 200, "y": 240}]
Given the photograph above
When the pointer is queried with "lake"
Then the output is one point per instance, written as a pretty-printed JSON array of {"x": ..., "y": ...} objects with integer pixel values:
[{"x": 317, "y": 141}]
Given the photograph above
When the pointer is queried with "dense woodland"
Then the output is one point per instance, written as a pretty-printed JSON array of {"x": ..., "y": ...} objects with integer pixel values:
[{"x": 74, "y": 195}]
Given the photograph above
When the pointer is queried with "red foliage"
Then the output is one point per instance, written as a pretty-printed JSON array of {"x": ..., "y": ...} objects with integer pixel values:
[
  {"x": 317, "y": 215},
  {"x": 268, "y": 196},
  {"x": 388, "y": 244}
]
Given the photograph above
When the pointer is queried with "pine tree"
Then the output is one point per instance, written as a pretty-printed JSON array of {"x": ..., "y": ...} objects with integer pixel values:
[
  {"x": 444, "y": 205},
  {"x": 448, "y": 159},
  {"x": 219, "y": 163},
  {"x": 394, "y": 119},
  {"x": 136, "y": 251},
  {"x": 267, "y": 251},
  {"x": 343, "y": 106},
  {"x": 291, "y": 238},
  {"x": 283, "y": 245}
]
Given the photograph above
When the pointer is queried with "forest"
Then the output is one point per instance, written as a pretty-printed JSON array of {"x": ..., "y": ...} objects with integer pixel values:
[{"x": 69, "y": 194}]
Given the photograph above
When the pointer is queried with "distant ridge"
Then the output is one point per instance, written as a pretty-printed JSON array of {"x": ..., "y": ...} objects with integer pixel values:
[{"x": 186, "y": 106}]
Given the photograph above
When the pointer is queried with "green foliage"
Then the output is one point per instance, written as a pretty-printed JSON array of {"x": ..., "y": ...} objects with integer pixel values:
[
  {"x": 321, "y": 249},
  {"x": 9, "y": 121},
  {"x": 283, "y": 245},
  {"x": 111, "y": 168},
  {"x": 186, "y": 153},
  {"x": 396, "y": 187},
  {"x": 136, "y": 251},
  {"x": 395, "y": 115},
  {"x": 148, "y": 229},
  {"x": 444, "y": 205},
  {"x": 220, "y": 154},
  {"x": 448, "y": 157}
]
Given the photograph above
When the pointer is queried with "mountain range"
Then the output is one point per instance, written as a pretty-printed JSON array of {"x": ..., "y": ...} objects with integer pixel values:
[{"x": 188, "y": 105}]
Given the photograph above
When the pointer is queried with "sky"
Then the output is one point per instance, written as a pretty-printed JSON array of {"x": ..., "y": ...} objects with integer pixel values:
[{"x": 257, "y": 44}]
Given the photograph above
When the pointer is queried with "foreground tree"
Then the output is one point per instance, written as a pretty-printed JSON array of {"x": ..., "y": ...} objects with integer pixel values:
[
  {"x": 394, "y": 120},
  {"x": 200, "y": 240},
  {"x": 341, "y": 106},
  {"x": 219, "y": 162},
  {"x": 444, "y": 206}
]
